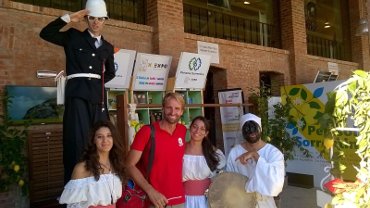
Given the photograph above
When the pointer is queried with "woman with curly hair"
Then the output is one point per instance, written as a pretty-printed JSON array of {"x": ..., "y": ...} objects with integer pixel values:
[
  {"x": 201, "y": 161},
  {"x": 97, "y": 179}
]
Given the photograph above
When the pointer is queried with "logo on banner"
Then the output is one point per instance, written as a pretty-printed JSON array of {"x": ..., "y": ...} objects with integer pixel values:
[
  {"x": 147, "y": 65},
  {"x": 195, "y": 64},
  {"x": 115, "y": 66}
]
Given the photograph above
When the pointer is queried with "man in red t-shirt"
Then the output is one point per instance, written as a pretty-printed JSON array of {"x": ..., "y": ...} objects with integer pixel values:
[{"x": 164, "y": 188}]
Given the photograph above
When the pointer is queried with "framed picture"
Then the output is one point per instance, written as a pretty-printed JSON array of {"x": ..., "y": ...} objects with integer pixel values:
[{"x": 33, "y": 104}]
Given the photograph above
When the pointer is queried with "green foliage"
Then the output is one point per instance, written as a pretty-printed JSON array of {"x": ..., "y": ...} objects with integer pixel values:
[
  {"x": 13, "y": 165},
  {"x": 260, "y": 98},
  {"x": 352, "y": 101},
  {"x": 274, "y": 128},
  {"x": 279, "y": 137}
]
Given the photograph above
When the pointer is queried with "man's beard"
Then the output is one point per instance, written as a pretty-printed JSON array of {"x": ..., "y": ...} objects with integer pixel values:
[
  {"x": 253, "y": 140},
  {"x": 172, "y": 121}
]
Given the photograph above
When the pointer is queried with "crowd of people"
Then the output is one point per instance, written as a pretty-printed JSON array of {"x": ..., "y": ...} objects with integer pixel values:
[
  {"x": 182, "y": 170},
  {"x": 97, "y": 165}
]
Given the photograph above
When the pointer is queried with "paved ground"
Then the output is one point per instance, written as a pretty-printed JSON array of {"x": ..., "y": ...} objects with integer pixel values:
[
  {"x": 292, "y": 197},
  {"x": 297, "y": 197}
]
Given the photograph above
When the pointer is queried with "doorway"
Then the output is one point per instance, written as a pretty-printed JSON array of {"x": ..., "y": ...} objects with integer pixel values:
[{"x": 216, "y": 80}]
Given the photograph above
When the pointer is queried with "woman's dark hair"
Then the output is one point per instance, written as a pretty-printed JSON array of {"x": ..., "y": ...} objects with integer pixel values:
[
  {"x": 117, "y": 154},
  {"x": 209, "y": 151}
]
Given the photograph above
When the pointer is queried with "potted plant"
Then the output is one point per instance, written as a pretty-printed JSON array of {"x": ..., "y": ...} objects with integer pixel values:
[
  {"x": 13, "y": 166},
  {"x": 275, "y": 126},
  {"x": 350, "y": 101},
  {"x": 277, "y": 129},
  {"x": 12, "y": 156}
]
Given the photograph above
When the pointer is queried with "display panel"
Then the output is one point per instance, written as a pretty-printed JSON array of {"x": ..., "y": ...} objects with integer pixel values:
[{"x": 33, "y": 104}]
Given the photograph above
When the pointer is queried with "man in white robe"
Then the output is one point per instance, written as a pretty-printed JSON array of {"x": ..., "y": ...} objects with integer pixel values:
[{"x": 261, "y": 162}]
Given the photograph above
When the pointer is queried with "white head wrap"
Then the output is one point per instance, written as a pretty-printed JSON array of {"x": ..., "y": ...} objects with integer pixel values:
[{"x": 250, "y": 117}]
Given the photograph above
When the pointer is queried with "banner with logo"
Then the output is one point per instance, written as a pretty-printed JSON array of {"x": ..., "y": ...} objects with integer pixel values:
[
  {"x": 192, "y": 71},
  {"x": 230, "y": 117},
  {"x": 309, "y": 105},
  {"x": 151, "y": 72},
  {"x": 123, "y": 64}
]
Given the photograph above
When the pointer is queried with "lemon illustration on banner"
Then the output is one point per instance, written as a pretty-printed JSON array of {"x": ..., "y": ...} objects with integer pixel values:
[{"x": 328, "y": 143}]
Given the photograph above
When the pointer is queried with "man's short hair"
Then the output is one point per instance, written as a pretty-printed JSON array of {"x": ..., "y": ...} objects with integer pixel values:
[{"x": 176, "y": 96}]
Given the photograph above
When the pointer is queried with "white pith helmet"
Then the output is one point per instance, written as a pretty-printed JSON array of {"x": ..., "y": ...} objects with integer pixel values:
[{"x": 97, "y": 8}]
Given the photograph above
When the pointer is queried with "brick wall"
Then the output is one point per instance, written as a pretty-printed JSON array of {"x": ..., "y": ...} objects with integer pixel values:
[
  {"x": 168, "y": 37},
  {"x": 360, "y": 44},
  {"x": 303, "y": 67},
  {"x": 164, "y": 35},
  {"x": 242, "y": 62},
  {"x": 23, "y": 52},
  {"x": 239, "y": 67}
]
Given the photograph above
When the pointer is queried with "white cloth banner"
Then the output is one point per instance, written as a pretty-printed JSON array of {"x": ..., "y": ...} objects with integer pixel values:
[
  {"x": 151, "y": 71},
  {"x": 230, "y": 117}
]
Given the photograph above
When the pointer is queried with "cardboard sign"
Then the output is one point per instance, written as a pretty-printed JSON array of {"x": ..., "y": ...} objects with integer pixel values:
[
  {"x": 123, "y": 64},
  {"x": 230, "y": 117},
  {"x": 192, "y": 71},
  {"x": 151, "y": 72},
  {"x": 209, "y": 49}
]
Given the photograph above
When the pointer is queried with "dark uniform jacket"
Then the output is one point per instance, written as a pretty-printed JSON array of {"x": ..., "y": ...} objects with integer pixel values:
[{"x": 82, "y": 57}]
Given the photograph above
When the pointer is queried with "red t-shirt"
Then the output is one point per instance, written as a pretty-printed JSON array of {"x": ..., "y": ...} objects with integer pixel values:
[{"x": 166, "y": 173}]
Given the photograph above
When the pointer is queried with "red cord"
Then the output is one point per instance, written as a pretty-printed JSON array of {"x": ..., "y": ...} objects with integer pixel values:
[{"x": 102, "y": 86}]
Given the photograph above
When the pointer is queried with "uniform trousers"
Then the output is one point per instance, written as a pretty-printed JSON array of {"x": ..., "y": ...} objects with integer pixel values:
[{"x": 79, "y": 116}]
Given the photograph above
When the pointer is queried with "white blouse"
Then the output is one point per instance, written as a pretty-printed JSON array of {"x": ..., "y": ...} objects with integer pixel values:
[
  {"x": 195, "y": 166},
  {"x": 85, "y": 192}
]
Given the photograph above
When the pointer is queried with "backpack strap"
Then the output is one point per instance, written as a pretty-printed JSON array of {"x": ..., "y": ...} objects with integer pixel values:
[{"x": 151, "y": 151}]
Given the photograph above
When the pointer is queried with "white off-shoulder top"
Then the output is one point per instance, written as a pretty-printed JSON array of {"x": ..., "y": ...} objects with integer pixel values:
[
  {"x": 195, "y": 166},
  {"x": 85, "y": 192}
]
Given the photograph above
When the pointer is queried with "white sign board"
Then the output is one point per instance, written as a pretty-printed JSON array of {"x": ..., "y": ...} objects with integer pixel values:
[
  {"x": 209, "y": 49},
  {"x": 230, "y": 118},
  {"x": 192, "y": 71},
  {"x": 333, "y": 68},
  {"x": 123, "y": 64},
  {"x": 151, "y": 72}
]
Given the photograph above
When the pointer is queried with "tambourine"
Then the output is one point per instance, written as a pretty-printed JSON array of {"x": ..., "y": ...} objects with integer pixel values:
[{"x": 227, "y": 190}]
